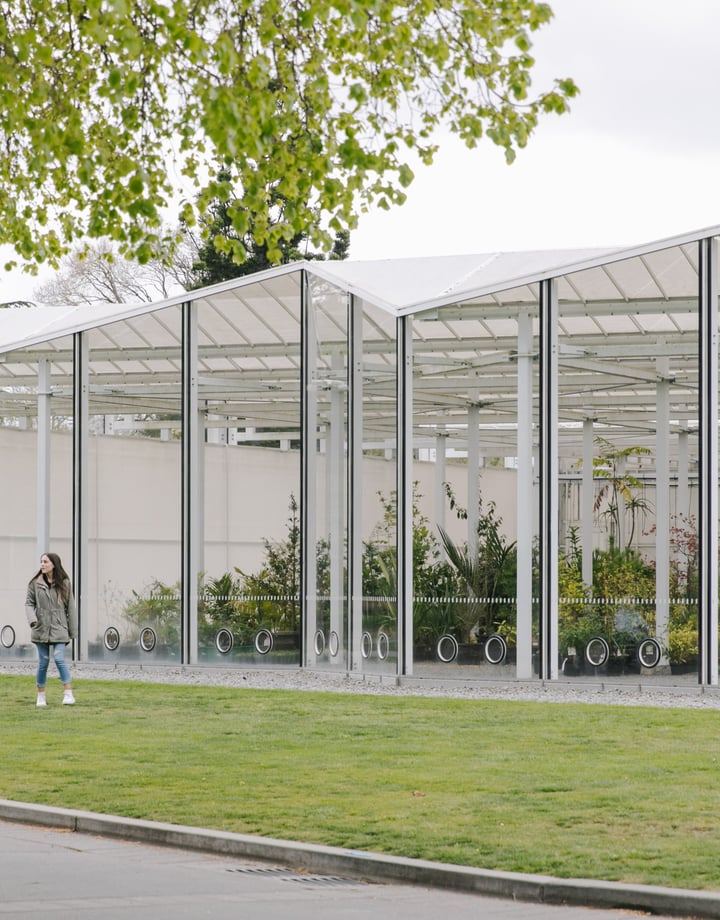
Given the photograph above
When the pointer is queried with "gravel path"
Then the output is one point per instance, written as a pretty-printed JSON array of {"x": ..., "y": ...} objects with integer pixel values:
[{"x": 621, "y": 692}]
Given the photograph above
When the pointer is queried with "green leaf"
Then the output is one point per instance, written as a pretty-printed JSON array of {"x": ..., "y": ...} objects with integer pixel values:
[{"x": 110, "y": 107}]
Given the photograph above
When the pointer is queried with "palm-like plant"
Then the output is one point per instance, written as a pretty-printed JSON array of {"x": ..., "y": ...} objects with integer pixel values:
[
  {"x": 618, "y": 486},
  {"x": 488, "y": 577}
]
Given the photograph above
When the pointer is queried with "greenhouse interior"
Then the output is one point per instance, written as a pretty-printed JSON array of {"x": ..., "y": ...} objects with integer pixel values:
[{"x": 481, "y": 467}]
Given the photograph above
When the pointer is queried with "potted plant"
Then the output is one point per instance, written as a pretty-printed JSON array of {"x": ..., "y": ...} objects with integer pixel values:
[{"x": 486, "y": 580}]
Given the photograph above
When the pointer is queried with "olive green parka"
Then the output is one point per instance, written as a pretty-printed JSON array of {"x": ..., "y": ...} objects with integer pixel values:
[{"x": 51, "y": 619}]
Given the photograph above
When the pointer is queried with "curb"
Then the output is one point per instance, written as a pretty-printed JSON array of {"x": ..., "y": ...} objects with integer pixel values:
[{"x": 543, "y": 889}]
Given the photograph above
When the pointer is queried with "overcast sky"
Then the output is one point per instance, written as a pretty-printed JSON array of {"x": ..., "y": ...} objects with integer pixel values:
[{"x": 635, "y": 160}]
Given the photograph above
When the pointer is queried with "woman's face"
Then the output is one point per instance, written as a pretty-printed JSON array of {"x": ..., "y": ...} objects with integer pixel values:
[{"x": 46, "y": 567}]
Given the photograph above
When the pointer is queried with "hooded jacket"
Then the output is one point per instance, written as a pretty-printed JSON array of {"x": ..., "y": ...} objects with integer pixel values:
[{"x": 51, "y": 619}]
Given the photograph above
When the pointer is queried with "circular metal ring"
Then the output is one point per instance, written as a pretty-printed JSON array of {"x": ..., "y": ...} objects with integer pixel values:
[
  {"x": 148, "y": 639},
  {"x": 319, "y": 642},
  {"x": 495, "y": 649},
  {"x": 447, "y": 648},
  {"x": 649, "y": 653},
  {"x": 111, "y": 638},
  {"x": 597, "y": 651},
  {"x": 366, "y": 645},
  {"x": 7, "y": 636},
  {"x": 263, "y": 641},
  {"x": 383, "y": 645},
  {"x": 224, "y": 641},
  {"x": 334, "y": 643}
]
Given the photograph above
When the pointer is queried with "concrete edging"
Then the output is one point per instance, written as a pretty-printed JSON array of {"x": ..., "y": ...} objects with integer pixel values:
[{"x": 376, "y": 867}]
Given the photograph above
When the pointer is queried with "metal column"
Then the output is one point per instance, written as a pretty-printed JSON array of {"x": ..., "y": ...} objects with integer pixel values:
[
  {"x": 587, "y": 501},
  {"x": 548, "y": 632},
  {"x": 662, "y": 507},
  {"x": 439, "y": 496},
  {"x": 682, "y": 492},
  {"x": 191, "y": 509},
  {"x": 473, "y": 474},
  {"x": 308, "y": 467},
  {"x": 355, "y": 454},
  {"x": 708, "y": 485},
  {"x": 42, "y": 533},
  {"x": 80, "y": 485},
  {"x": 524, "y": 497},
  {"x": 336, "y": 501},
  {"x": 404, "y": 496}
]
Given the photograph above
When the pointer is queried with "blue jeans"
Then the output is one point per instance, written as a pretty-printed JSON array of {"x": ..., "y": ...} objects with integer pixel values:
[{"x": 44, "y": 660}]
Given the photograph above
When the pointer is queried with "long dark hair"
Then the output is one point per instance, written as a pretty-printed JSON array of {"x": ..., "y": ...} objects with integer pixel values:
[{"x": 60, "y": 576}]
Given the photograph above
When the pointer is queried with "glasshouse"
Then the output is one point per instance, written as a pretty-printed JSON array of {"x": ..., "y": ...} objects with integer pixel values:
[{"x": 494, "y": 466}]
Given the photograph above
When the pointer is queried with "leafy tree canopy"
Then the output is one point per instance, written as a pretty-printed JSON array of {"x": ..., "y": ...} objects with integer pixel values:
[{"x": 109, "y": 107}]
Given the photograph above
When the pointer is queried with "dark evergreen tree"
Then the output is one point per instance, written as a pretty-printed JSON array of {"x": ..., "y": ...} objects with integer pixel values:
[{"x": 219, "y": 254}]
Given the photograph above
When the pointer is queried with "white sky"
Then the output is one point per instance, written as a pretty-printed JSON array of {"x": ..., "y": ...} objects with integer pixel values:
[{"x": 635, "y": 160}]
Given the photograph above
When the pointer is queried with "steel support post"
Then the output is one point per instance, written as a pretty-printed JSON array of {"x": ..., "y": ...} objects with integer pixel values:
[
  {"x": 548, "y": 623},
  {"x": 404, "y": 495},
  {"x": 355, "y": 455},
  {"x": 308, "y": 468},
  {"x": 80, "y": 486},
  {"x": 587, "y": 500},
  {"x": 708, "y": 485},
  {"x": 336, "y": 501},
  {"x": 473, "y": 474},
  {"x": 524, "y": 497},
  {"x": 662, "y": 507},
  {"x": 440, "y": 478},
  {"x": 43, "y": 458},
  {"x": 191, "y": 509}
]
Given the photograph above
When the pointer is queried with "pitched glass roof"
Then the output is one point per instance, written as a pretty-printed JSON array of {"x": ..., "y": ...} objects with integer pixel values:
[
  {"x": 619, "y": 308},
  {"x": 657, "y": 271}
]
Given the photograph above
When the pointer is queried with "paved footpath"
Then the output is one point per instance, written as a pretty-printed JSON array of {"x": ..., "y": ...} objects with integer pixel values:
[{"x": 71, "y": 875}]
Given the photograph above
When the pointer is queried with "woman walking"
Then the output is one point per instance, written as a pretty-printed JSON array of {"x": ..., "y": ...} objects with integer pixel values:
[{"x": 52, "y": 615}]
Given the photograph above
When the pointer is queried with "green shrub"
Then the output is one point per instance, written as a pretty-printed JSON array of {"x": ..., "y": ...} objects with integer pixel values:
[{"x": 158, "y": 606}]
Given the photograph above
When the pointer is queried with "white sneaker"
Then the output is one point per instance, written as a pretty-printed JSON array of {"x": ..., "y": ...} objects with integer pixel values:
[
  {"x": 68, "y": 698},
  {"x": 41, "y": 701}
]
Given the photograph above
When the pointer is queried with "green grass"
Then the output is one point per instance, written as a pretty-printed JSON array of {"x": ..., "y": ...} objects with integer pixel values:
[{"x": 574, "y": 790}]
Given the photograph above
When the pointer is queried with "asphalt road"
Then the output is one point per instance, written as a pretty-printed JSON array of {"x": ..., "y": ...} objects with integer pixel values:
[{"x": 69, "y": 875}]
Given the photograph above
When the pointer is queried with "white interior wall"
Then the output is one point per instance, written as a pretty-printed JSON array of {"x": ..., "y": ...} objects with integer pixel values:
[{"x": 134, "y": 512}]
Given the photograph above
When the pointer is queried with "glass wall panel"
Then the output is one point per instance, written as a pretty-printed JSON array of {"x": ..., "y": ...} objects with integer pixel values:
[
  {"x": 475, "y": 427},
  {"x": 327, "y": 638},
  {"x": 36, "y": 393},
  {"x": 133, "y": 605},
  {"x": 377, "y": 502},
  {"x": 628, "y": 446},
  {"x": 714, "y": 479},
  {"x": 249, "y": 406}
]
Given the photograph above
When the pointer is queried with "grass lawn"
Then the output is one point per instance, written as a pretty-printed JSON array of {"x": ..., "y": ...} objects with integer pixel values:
[{"x": 568, "y": 789}]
